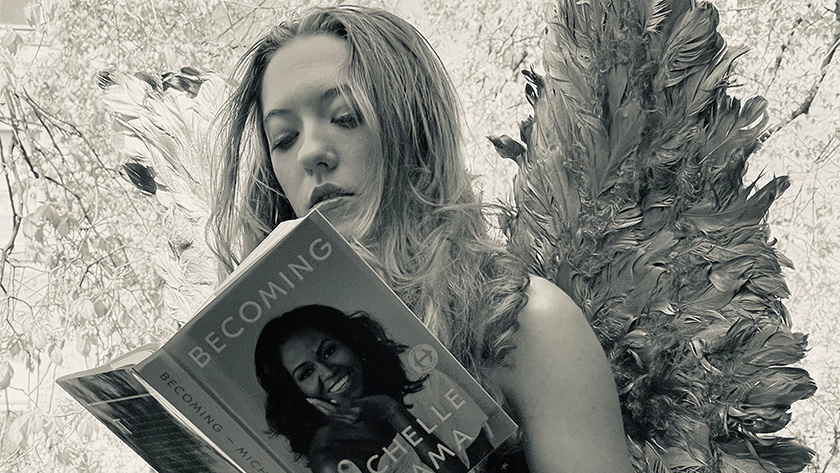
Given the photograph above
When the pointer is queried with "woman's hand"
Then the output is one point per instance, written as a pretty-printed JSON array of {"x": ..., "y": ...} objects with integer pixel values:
[{"x": 379, "y": 407}]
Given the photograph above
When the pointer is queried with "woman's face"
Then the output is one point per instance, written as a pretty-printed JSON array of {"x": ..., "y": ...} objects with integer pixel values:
[
  {"x": 322, "y": 366},
  {"x": 322, "y": 151}
]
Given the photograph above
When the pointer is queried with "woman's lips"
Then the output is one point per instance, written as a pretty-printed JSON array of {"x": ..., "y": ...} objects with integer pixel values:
[
  {"x": 327, "y": 193},
  {"x": 332, "y": 201},
  {"x": 340, "y": 385}
]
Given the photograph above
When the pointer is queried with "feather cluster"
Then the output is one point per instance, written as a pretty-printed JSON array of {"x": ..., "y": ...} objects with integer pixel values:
[
  {"x": 630, "y": 197},
  {"x": 164, "y": 127}
]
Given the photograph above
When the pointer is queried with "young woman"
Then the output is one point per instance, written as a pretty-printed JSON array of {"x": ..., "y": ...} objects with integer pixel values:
[
  {"x": 349, "y": 110},
  {"x": 338, "y": 391}
]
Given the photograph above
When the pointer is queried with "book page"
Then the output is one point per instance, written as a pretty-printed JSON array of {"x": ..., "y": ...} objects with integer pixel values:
[
  {"x": 128, "y": 409},
  {"x": 125, "y": 360}
]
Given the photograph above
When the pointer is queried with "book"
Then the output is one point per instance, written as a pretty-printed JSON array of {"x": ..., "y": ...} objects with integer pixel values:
[{"x": 197, "y": 403}]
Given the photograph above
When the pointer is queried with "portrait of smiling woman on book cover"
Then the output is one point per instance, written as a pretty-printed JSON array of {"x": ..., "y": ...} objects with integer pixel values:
[{"x": 349, "y": 398}]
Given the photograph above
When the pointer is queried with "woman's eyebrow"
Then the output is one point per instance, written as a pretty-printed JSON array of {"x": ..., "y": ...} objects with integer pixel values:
[
  {"x": 327, "y": 97},
  {"x": 342, "y": 90}
]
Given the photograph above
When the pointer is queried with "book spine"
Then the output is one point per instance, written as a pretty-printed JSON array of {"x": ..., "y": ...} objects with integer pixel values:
[{"x": 201, "y": 409}]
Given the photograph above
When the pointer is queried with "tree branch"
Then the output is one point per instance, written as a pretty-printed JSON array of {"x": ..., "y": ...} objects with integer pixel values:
[{"x": 805, "y": 106}]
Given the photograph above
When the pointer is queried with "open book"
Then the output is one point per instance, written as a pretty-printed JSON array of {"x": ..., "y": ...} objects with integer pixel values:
[{"x": 197, "y": 403}]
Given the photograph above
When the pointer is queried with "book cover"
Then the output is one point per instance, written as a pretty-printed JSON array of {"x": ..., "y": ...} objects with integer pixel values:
[{"x": 349, "y": 379}]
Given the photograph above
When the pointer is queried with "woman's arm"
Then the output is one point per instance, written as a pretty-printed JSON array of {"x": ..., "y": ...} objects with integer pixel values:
[{"x": 562, "y": 389}]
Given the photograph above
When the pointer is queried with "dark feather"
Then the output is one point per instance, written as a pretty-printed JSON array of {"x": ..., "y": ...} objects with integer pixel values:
[{"x": 143, "y": 177}]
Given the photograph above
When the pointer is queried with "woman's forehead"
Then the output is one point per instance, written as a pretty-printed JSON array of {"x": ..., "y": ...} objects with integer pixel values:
[
  {"x": 303, "y": 70},
  {"x": 309, "y": 333},
  {"x": 304, "y": 341}
]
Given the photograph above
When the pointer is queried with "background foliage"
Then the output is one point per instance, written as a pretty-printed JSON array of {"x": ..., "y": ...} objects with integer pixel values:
[{"x": 78, "y": 280}]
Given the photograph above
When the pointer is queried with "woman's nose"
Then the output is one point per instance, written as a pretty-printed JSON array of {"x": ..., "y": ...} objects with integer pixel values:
[
  {"x": 316, "y": 151},
  {"x": 325, "y": 371}
]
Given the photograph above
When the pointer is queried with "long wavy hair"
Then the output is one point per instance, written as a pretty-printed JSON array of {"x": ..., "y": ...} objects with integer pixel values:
[
  {"x": 427, "y": 236},
  {"x": 286, "y": 410}
]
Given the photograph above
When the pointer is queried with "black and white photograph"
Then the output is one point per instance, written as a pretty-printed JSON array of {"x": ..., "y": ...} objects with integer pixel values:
[{"x": 402, "y": 236}]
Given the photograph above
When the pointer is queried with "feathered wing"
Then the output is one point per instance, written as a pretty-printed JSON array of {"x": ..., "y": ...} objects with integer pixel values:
[
  {"x": 630, "y": 197},
  {"x": 165, "y": 128}
]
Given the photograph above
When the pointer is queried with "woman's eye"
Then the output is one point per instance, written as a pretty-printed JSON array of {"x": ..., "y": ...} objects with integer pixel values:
[
  {"x": 302, "y": 375},
  {"x": 329, "y": 350},
  {"x": 348, "y": 120},
  {"x": 285, "y": 142}
]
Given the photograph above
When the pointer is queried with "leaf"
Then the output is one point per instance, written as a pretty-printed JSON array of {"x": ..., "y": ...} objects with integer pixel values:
[
  {"x": 31, "y": 228},
  {"x": 31, "y": 362},
  {"x": 36, "y": 423},
  {"x": 18, "y": 433},
  {"x": 6, "y": 373},
  {"x": 13, "y": 346},
  {"x": 84, "y": 308},
  {"x": 86, "y": 427},
  {"x": 83, "y": 345},
  {"x": 11, "y": 40},
  {"x": 55, "y": 355},
  {"x": 100, "y": 308},
  {"x": 64, "y": 457},
  {"x": 65, "y": 224},
  {"x": 39, "y": 339}
]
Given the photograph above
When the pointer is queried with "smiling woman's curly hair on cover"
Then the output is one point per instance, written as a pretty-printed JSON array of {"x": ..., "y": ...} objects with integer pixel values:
[{"x": 287, "y": 411}]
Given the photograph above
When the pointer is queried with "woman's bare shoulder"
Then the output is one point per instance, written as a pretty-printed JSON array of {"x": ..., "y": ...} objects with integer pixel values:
[
  {"x": 548, "y": 304},
  {"x": 552, "y": 333},
  {"x": 561, "y": 387},
  {"x": 551, "y": 315}
]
